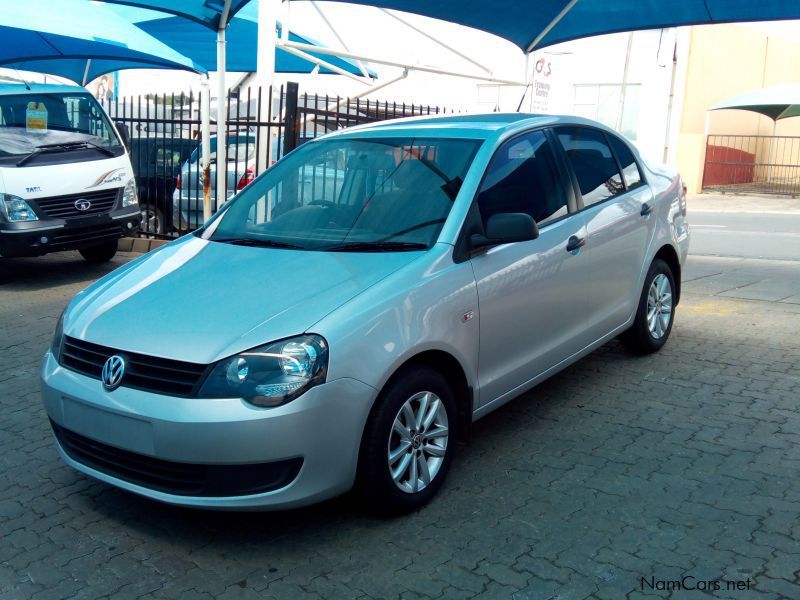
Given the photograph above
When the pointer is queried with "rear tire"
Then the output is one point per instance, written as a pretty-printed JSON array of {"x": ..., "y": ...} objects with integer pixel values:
[
  {"x": 408, "y": 442},
  {"x": 655, "y": 313},
  {"x": 99, "y": 253}
]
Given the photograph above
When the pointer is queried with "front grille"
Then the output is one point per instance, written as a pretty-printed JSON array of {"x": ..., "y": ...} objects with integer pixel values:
[
  {"x": 63, "y": 207},
  {"x": 70, "y": 237},
  {"x": 182, "y": 479},
  {"x": 142, "y": 372}
]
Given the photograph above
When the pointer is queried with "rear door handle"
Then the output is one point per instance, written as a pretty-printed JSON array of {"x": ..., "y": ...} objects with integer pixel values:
[
  {"x": 575, "y": 242},
  {"x": 646, "y": 209}
]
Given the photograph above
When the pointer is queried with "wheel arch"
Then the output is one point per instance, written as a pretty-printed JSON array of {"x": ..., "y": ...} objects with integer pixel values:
[
  {"x": 449, "y": 367},
  {"x": 668, "y": 254}
]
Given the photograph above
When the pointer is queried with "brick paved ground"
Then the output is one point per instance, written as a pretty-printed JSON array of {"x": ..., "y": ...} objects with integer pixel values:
[{"x": 687, "y": 462}]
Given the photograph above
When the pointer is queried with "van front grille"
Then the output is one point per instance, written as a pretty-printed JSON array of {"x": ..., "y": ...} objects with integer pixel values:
[{"x": 93, "y": 203}]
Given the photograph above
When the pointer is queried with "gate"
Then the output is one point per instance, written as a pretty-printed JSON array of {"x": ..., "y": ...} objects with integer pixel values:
[
  {"x": 752, "y": 164},
  {"x": 165, "y": 143}
]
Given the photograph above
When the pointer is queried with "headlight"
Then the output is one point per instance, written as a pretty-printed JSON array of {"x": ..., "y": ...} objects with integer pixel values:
[
  {"x": 14, "y": 209},
  {"x": 270, "y": 375},
  {"x": 58, "y": 338},
  {"x": 129, "y": 195}
]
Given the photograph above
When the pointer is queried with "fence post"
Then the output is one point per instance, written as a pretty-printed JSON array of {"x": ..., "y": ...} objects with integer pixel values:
[{"x": 291, "y": 123}]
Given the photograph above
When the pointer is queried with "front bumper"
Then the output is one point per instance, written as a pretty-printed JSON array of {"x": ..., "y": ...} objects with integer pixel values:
[
  {"x": 34, "y": 238},
  {"x": 323, "y": 427}
]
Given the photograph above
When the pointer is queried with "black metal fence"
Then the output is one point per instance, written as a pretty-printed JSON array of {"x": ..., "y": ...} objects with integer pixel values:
[
  {"x": 752, "y": 164},
  {"x": 262, "y": 125}
]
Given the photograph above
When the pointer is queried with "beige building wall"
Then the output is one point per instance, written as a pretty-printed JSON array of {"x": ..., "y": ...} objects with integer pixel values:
[{"x": 723, "y": 61}]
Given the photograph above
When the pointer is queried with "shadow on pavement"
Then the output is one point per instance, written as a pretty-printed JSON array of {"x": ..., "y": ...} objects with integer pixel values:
[{"x": 60, "y": 268}]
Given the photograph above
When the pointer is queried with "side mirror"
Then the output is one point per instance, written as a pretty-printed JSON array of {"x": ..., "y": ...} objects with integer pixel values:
[
  {"x": 505, "y": 228},
  {"x": 124, "y": 134}
]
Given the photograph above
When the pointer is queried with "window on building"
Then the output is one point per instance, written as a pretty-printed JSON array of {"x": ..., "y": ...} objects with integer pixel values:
[{"x": 603, "y": 102}]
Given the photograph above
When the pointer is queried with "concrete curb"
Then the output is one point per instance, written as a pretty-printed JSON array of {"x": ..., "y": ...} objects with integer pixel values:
[{"x": 139, "y": 245}]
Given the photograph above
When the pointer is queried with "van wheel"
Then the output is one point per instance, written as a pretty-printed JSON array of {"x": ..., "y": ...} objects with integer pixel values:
[
  {"x": 100, "y": 253},
  {"x": 655, "y": 313},
  {"x": 408, "y": 443}
]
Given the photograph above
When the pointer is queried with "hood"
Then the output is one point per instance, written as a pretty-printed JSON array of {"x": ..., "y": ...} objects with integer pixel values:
[
  {"x": 42, "y": 181},
  {"x": 201, "y": 301}
]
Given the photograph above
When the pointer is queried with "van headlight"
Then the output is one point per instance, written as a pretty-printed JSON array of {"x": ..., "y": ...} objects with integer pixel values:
[
  {"x": 270, "y": 375},
  {"x": 14, "y": 209},
  {"x": 129, "y": 195}
]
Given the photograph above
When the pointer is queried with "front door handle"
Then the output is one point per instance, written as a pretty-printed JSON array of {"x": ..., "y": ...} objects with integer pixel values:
[
  {"x": 574, "y": 242},
  {"x": 646, "y": 209}
]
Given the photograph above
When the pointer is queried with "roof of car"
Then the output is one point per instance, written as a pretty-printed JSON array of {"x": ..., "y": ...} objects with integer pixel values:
[
  {"x": 481, "y": 126},
  {"x": 7, "y": 88}
]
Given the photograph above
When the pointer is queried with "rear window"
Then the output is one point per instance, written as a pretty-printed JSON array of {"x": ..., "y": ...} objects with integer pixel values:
[{"x": 630, "y": 170}]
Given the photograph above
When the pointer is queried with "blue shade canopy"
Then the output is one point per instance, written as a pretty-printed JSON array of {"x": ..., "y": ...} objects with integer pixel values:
[
  {"x": 199, "y": 43},
  {"x": 776, "y": 102},
  {"x": 62, "y": 37},
  {"x": 523, "y": 22},
  {"x": 205, "y": 12}
]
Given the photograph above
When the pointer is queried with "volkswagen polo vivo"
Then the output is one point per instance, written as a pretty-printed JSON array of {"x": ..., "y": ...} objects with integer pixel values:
[{"x": 310, "y": 338}]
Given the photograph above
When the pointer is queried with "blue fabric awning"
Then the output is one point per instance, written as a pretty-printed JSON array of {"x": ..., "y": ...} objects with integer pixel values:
[
  {"x": 199, "y": 43},
  {"x": 64, "y": 37},
  {"x": 204, "y": 12},
  {"x": 523, "y": 22}
]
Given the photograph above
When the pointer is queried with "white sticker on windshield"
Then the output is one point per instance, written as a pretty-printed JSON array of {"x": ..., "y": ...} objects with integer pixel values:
[{"x": 36, "y": 116}]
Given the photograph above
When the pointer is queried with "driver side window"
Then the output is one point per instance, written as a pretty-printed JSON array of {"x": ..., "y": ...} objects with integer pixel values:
[{"x": 523, "y": 178}]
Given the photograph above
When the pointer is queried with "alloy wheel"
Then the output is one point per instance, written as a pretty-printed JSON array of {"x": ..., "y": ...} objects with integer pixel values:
[
  {"x": 418, "y": 442},
  {"x": 659, "y": 306}
]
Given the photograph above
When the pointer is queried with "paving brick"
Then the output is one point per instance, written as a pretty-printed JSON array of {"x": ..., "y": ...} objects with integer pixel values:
[{"x": 617, "y": 468}]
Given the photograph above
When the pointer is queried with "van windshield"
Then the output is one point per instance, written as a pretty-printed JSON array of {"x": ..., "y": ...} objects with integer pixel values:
[
  {"x": 33, "y": 122},
  {"x": 350, "y": 195}
]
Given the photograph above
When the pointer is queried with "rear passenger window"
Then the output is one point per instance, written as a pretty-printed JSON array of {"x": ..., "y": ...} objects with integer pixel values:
[
  {"x": 591, "y": 159},
  {"x": 630, "y": 170},
  {"x": 523, "y": 178}
]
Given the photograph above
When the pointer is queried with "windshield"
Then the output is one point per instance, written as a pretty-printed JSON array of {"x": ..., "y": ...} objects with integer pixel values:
[
  {"x": 349, "y": 194},
  {"x": 30, "y": 121}
]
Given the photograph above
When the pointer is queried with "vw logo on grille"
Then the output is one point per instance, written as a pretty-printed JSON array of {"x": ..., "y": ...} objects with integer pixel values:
[
  {"x": 113, "y": 371},
  {"x": 82, "y": 204}
]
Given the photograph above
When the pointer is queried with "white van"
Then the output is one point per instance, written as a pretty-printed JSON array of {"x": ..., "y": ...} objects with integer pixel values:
[{"x": 66, "y": 181}]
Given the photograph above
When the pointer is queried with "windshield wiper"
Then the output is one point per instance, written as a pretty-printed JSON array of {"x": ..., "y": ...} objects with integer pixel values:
[
  {"x": 375, "y": 247},
  {"x": 62, "y": 147},
  {"x": 258, "y": 243}
]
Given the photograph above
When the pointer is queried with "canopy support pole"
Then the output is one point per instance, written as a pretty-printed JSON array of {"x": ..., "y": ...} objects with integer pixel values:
[
  {"x": 324, "y": 17},
  {"x": 391, "y": 63},
  {"x": 436, "y": 41},
  {"x": 86, "y": 72},
  {"x": 552, "y": 24},
  {"x": 205, "y": 140},
  {"x": 265, "y": 74},
  {"x": 322, "y": 63},
  {"x": 222, "y": 121}
]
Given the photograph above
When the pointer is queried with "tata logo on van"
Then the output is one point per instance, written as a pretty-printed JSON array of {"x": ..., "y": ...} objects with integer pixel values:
[
  {"x": 33, "y": 190},
  {"x": 82, "y": 204}
]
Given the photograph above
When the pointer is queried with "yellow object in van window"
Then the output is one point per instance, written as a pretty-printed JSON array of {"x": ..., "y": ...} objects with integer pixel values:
[{"x": 36, "y": 116}]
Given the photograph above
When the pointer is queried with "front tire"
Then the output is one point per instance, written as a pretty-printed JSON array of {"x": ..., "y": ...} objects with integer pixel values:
[
  {"x": 408, "y": 443},
  {"x": 655, "y": 313},
  {"x": 152, "y": 220},
  {"x": 99, "y": 253}
]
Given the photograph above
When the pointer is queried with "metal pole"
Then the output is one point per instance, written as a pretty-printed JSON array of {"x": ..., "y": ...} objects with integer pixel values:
[
  {"x": 265, "y": 70},
  {"x": 222, "y": 122},
  {"x": 624, "y": 87},
  {"x": 205, "y": 136}
]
